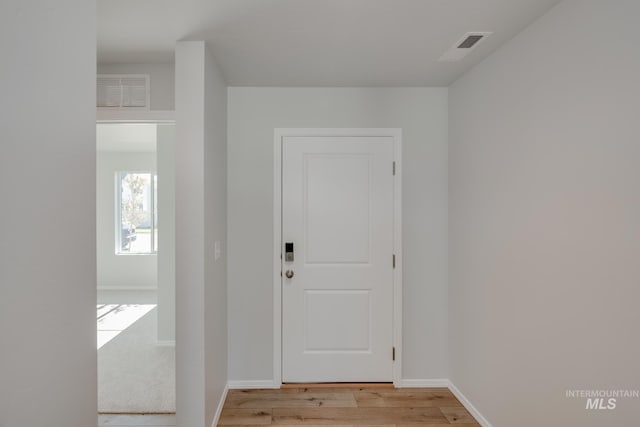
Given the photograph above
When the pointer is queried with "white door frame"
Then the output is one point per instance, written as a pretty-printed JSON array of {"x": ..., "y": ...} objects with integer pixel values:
[{"x": 279, "y": 133}]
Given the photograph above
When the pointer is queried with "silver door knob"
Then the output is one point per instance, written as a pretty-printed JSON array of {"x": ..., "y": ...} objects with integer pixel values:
[{"x": 289, "y": 274}]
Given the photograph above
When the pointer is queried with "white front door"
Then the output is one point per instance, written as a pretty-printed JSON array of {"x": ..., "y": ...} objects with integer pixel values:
[{"x": 337, "y": 217}]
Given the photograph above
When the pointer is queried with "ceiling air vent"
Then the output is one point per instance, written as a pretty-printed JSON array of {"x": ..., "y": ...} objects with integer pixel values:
[
  {"x": 465, "y": 45},
  {"x": 123, "y": 91}
]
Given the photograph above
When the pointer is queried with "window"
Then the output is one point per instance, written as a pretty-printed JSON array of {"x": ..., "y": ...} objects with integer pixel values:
[{"x": 136, "y": 213}]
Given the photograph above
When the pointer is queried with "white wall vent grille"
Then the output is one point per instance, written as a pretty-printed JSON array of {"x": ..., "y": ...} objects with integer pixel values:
[{"x": 123, "y": 91}]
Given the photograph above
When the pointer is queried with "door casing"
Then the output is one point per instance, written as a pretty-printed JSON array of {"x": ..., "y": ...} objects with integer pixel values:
[{"x": 279, "y": 134}]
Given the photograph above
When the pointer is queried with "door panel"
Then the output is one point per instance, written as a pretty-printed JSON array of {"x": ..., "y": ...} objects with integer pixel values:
[
  {"x": 336, "y": 216},
  {"x": 337, "y": 210},
  {"x": 324, "y": 314}
]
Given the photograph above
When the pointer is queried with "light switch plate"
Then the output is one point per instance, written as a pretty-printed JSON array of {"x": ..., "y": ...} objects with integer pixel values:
[{"x": 217, "y": 250}]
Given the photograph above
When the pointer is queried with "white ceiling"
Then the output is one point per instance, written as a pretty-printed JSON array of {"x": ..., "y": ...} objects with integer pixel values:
[{"x": 314, "y": 42}]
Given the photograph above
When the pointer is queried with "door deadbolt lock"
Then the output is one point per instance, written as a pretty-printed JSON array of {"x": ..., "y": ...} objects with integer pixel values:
[
  {"x": 289, "y": 274},
  {"x": 288, "y": 252}
]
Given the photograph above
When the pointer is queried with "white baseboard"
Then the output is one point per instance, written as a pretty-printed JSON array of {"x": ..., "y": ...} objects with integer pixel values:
[
  {"x": 432, "y": 383},
  {"x": 469, "y": 406},
  {"x": 166, "y": 343},
  {"x": 252, "y": 384},
  {"x": 127, "y": 288},
  {"x": 216, "y": 417}
]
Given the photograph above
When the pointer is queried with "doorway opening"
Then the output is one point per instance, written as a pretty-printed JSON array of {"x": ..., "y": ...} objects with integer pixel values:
[{"x": 135, "y": 239}]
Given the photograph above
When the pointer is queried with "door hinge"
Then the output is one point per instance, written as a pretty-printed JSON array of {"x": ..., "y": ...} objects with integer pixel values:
[
  {"x": 394, "y": 168},
  {"x": 393, "y": 353},
  {"x": 393, "y": 261}
]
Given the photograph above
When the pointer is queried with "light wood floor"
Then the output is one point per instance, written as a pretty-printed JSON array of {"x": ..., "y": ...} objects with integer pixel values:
[{"x": 434, "y": 407}]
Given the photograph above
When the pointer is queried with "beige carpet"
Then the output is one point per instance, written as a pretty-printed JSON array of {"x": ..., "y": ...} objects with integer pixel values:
[{"x": 134, "y": 374}]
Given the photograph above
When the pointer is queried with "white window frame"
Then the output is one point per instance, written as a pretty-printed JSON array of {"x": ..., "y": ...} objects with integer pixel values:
[{"x": 118, "y": 213}]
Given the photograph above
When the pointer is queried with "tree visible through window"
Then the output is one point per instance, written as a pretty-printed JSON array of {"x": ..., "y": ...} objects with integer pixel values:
[{"x": 137, "y": 218}]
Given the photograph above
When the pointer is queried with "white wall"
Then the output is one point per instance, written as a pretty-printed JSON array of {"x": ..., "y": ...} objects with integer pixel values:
[
  {"x": 162, "y": 78},
  {"x": 253, "y": 115},
  {"x": 47, "y": 220},
  {"x": 166, "y": 140},
  {"x": 215, "y": 230},
  {"x": 120, "y": 272},
  {"x": 545, "y": 220},
  {"x": 201, "y": 327}
]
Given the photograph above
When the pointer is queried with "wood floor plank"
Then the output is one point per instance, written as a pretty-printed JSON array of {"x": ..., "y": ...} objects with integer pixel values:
[
  {"x": 307, "y": 398},
  {"x": 436, "y": 425},
  {"x": 294, "y": 391},
  {"x": 457, "y": 415},
  {"x": 359, "y": 425},
  {"x": 357, "y": 416},
  {"x": 416, "y": 389},
  {"x": 412, "y": 399},
  {"x": 320, "y": 390},
  {"x": 236, "y": 417},
  {"x": 337, "y": 385}
]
